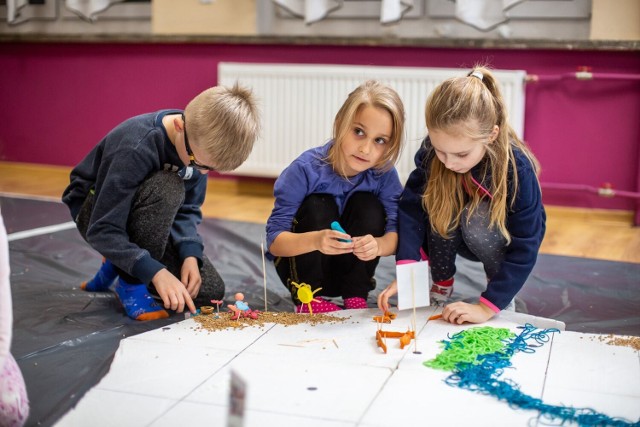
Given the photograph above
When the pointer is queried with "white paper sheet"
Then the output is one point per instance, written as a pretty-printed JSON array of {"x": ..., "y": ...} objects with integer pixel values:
[{"x": 413, "y": 285}]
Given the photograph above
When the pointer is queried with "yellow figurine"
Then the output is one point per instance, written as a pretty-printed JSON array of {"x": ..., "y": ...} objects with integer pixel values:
[{"x": 305, "y": 295}]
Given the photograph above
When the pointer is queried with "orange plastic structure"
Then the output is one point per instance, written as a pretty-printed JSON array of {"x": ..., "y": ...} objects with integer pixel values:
[
  {"x": 386, "y": 317},
  {"x": 404, "y": 337}
]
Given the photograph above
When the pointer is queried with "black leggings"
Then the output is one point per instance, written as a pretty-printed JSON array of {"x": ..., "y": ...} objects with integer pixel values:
[
  {"x": 153, "y": 212},
  {"x": 338, "y": 275},
  {"x": 473, "y": 240}
]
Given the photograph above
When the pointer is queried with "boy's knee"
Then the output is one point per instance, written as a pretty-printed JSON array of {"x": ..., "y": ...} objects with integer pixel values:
[
  {"x": 164, "y": 185},
  {"x": 164, "y": 179}
]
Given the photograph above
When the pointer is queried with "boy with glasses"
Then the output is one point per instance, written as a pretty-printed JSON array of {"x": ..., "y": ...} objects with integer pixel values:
[{"x": 136, "y": 199}]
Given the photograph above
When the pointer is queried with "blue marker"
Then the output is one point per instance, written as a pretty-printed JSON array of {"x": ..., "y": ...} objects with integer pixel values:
[{"x": 337, "y": 227}]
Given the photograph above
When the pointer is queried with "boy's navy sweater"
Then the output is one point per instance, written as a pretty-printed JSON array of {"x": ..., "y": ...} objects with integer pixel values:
[
  {"x": 114, "y": 169},
  {"x": 525, "y": 222}
]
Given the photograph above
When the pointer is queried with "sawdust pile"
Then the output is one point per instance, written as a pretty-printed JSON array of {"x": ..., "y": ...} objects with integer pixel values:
[
  {"x": 212, "y": 323},
  {"x": 633, "y": 342}
]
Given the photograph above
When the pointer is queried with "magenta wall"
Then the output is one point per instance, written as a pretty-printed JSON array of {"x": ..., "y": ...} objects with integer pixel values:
[{"x": 58, "y": 100}]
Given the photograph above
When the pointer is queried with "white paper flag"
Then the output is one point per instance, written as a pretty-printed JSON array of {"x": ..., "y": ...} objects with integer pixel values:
[{"x": 413, "y": 285}]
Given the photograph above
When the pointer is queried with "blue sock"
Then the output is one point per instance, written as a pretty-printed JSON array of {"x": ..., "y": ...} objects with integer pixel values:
[
  {"x": 137, "y": 302},
  {"x": 103, "y": 278}
]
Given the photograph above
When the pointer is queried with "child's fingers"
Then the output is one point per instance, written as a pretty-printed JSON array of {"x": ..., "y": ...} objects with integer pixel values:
[
  {"x": 336, "y": 243},
  {"x": 383, "y": 298},
  {"x": 171, "y": 301},
  {"x": 340, "y": 237},
  {"x": 383, "y": 301},
  {"x": 190, "y": 305}
]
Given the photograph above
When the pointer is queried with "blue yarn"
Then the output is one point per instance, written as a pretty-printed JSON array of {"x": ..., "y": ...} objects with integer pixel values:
[{"x": 482, "y": 377}]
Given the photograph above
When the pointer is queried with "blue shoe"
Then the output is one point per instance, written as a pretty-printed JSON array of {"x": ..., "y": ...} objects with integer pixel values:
[
  {"x": 103, "y": 278},
  {"x": 138, "y": 303}
]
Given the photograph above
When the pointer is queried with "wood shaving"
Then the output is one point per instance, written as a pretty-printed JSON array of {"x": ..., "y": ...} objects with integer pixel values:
[
  {"x": 212, "y": 323},
  {"x": 621, "y": 341}
]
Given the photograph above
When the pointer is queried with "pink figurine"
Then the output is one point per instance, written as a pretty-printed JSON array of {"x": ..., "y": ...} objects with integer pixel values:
[{"x": 241, "y": 308}]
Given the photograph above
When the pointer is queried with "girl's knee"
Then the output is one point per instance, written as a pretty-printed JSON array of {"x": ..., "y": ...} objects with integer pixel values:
[
  {"x": 365, "y": 213},
  {"x": 316, "y": 212}
]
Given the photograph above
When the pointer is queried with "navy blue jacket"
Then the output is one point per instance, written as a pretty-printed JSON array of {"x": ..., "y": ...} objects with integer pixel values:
[
  {"x": 114, "y": 170},
  {"x": 525, "y": 222}
]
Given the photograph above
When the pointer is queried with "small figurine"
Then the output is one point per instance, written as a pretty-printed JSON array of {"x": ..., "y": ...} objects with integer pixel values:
[
  {"x": 305, "y": 295},
  {"x": 241, "y": 308}
]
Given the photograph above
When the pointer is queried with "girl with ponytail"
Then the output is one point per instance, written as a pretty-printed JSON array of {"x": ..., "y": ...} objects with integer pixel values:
[{"x": 474, "y": 193}]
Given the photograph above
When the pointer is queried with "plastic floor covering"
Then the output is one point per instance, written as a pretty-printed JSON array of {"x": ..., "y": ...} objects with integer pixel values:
[{"x": 65, "y": 339}]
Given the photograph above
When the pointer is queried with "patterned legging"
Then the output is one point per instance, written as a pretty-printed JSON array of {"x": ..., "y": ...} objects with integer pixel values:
[
  {"x": 14, "y": 404},
  {"x": 474, "y": 240}
]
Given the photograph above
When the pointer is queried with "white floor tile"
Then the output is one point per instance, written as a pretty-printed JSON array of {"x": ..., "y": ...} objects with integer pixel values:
[
  {"x": 160, "y": 369},
  {"x": 191, "y": 414},
  {"x": 104, "y": 408},
  {"x": 584, "y": 362},
  {"x": 414, "y": 397},
  {"x": 351, "y": 342},
  {"x": 213, "y": 415},
  {"x": 586, "y": 372},
  {"x": 334, "y": 391},
  {"x": 612, "y": 405},
  {"x": 189, "y": 332}
]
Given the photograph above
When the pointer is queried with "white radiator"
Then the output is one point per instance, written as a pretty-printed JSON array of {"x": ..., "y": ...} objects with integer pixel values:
[{"x": 299, "y": 103}]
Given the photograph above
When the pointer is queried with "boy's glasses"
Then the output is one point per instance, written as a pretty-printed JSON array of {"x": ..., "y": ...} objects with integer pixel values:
[{"x": 192, "y": 159}]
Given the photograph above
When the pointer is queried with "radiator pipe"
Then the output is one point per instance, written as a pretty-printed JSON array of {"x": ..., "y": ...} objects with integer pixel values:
[
  {"x": 583, "y": 73},
  {"x": 605, "y": 191}
]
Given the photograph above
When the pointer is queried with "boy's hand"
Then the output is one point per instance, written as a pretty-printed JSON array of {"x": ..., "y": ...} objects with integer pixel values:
[
  {"x": 460, "y": 312},
  {"x": 190, "y": 276},
  {"x": 173, "y": 293},
  {"x": 365, "y": 247},
  {"x": 383, "y": 298}
]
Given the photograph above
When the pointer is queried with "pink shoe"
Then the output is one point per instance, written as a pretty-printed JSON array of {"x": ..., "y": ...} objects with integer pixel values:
[
  {"x": 355, "y": 303},
  {"x": 318, "y": 306}
]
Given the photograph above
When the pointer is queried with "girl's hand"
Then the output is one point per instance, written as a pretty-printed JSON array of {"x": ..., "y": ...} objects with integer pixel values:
[
  {"x": 460, "y": 312},
  {"x": 383, "y": 298},
  {"x": 365, "y": 247},
  {"x": 328, "y": 242},
  {"x": 190, "y": 276}
]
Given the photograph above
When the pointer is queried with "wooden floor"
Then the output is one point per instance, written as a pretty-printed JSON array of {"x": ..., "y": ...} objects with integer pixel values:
[{"x": 598, "y": 234}]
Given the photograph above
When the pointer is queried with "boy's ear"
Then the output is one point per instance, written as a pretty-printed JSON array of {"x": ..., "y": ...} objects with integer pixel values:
[{"x": 178, "y": 124}]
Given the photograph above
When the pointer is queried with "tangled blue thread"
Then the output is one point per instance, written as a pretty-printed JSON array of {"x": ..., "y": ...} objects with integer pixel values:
[{"x": 481, "y": 376}]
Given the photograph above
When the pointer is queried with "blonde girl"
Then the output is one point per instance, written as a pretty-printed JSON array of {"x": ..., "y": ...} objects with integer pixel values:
[
  {"x": 350, "y": 179},
  {"x": 474, "y": 193}
]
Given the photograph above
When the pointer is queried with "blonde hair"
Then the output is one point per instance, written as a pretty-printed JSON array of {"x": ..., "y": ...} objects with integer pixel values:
[
  {"x": 472, "y": 105},
  {"x": 224, "y": 122},
  {"x": 375, "y": 94}
]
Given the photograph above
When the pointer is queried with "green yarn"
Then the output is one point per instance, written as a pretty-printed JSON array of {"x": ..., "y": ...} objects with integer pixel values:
[
  {"x": 478, "y": 357},
  {"x": 466, "y": 346}
]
